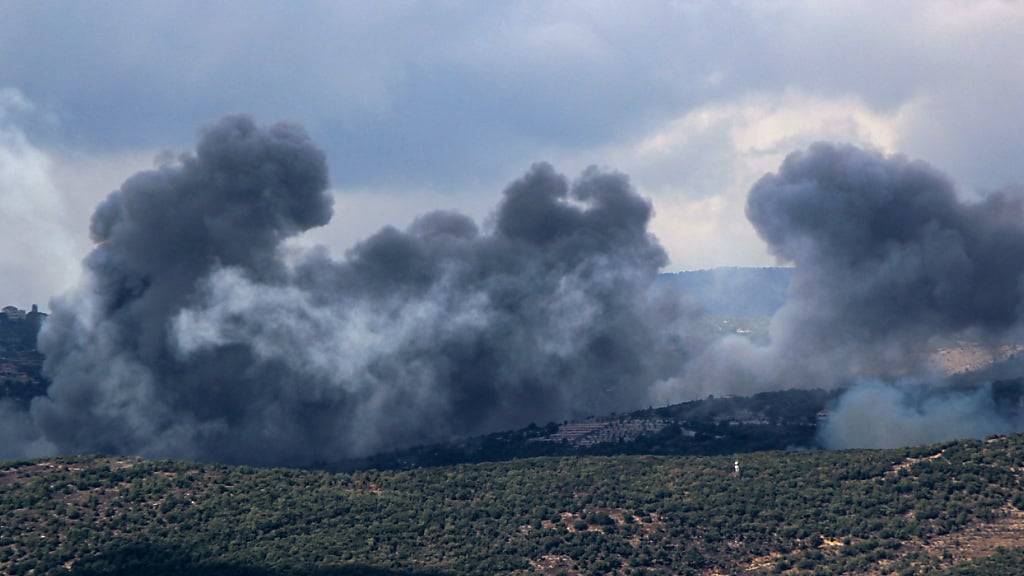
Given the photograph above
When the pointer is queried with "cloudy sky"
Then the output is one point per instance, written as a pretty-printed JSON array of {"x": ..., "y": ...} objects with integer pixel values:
[{"x": 439, "y": 104}]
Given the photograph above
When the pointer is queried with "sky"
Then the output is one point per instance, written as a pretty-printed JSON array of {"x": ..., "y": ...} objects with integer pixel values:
[{"x": 439, "y": 105}]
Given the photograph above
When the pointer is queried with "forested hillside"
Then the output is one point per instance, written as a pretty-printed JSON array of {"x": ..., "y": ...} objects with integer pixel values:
[
  {"x": 780, "y": 420},
  {"x": 956, "y": 506}
]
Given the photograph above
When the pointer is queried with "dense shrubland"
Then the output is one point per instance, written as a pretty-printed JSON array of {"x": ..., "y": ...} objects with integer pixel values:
[{"x": 900, "y": 511}]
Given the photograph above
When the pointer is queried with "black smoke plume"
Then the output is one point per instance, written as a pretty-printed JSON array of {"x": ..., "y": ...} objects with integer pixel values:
[
  {"x": 886, "y": 255},
  {"x": 193, "y": 337},
  {"x": 890, "y": 264}
]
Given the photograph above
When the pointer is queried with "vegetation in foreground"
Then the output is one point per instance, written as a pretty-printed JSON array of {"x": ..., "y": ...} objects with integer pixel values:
[{"x": 956, "y": 506}]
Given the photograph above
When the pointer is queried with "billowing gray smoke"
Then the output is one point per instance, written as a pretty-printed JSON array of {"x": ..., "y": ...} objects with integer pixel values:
[
  {"x": 889, "y": 265},
  {"x": 193, "y": 337},
  {"x": 879, "y": 415},
  {"x": 887, "y": 257}
]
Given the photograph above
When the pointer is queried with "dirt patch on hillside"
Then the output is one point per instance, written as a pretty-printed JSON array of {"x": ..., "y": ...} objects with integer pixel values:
[
  {"x": 979, "y": 540},
  {"x": 907, "y": 463},
  {"x": 554, "y": 564},
  {"x": 758, "y": 563},
  {"x": 974, "y": 542},
  {"x": 969, "y": 357}
]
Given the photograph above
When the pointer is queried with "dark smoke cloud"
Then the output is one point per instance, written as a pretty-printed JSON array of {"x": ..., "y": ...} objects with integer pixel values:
[
  {"x": 192, "y": 336},
  {"x": 884, "y": 247},
  {"x": 889, "y": 264}
]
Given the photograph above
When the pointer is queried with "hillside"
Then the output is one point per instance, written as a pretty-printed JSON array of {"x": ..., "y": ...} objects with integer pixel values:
[
  {"x": 21, "y": 364},
  {"x": 788, "y": 420},
  {"x": 956, "y": 506},
  {"x": 782, "y": 420}
]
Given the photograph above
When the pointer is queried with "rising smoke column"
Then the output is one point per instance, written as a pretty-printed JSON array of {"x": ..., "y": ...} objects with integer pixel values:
[
  {"x": 886, "y": 255},
  {"x": 191, "y": 337},
  {"x": 889, "y": 264},
  {"x": 117, "y": 386}
]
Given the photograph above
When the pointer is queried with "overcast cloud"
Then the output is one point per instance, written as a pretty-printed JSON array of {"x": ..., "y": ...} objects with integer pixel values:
[{"x": 436, "y": 105}]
